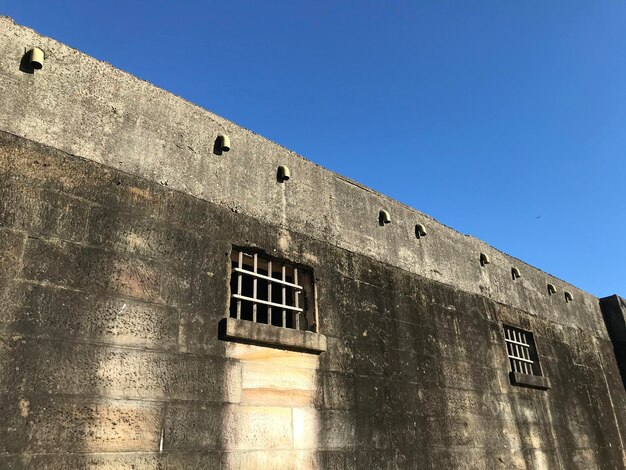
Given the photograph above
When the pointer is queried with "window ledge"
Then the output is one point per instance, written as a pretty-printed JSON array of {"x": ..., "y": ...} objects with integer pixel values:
[
  {"x": 534, "y": 381},
  {"x": 276, "y": 337}
]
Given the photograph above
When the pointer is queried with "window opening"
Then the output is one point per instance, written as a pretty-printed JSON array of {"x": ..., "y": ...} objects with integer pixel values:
[
  {"x": 521, "y": 350},
  {"x": 270, "y": 291}
]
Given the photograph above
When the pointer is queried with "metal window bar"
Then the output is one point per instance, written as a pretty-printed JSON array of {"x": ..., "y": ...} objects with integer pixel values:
[
  {"x": 291, "y": 304},
  {"x": 523, "y": 352},
  {"x": 518, "y": 351},
  {"x": 267, "y": 278},
  {"x": 295, "y": 298},
  {"x": 509, "y": 350},
  {"x": 270, "y": 304},
  {"x": 254, "y": 287},
  {"x": 284, "y": 272},
  {"x": 269, "y": 292},
  {"x": 239, "y": 285}
]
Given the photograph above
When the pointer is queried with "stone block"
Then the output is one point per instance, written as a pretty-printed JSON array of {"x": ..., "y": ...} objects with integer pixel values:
[
  {"x": 77, "y": 267},
  {"x": 276, "y": 460},
  {"x": 285, "y": 386},
  {"x": 278, "y": 397},
  {"x": 192, "y": 460},
  {"x": 583, "y": 458},
  {"x": 41, "y": 212},
  {"x": 506, "y": 459},
  {"x": 179, "y": 287},
  {"x": 272, "y": 357},
  {"x": 147, "y": 237},
  {"x": 380, "y": 460},
  {"x": 90, "y": 461},
  {"x": 336, "y": 460},
  {"x": 400, "y": 396},
  {"x": 548, "y": 458},
  {"x": 267, "y": 335},
  {"x": 455, "y": 458},
  {"x": 192, "y": 427},
  {"x": 323, "y": 429},
  {"x": 90, "y": 370},
  {"x": 257, "y": 427},
  {"x": 339, "y": 355},
  {"x": 454, "y": 402},
  {"x": 370, "y": 359},
  {"x": 198, "y": 334},
  {"x": 448, "y": 432},
  {"x": 267, "y": 376},
  {"x": 79, "y": 425},
  {"x": 338, "y": 390},
  {"x": 51, "y": 312},
  {"x": 208, "y": 289},
  {"x": 497, "y": 434},
  {"x": 11, "y": 248},
  {"x": 533, "y": 381}
]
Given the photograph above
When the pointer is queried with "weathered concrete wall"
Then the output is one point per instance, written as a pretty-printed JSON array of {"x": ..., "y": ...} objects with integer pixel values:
[
  {"x": 111, "y": 292},
  {"x": 112, "y": 289},
  {"x": 114, "y": 251}
]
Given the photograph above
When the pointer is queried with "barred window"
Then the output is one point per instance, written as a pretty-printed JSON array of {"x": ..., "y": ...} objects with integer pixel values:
[
  {"x": 271, "y": 291},
  {"x": 520, "y": 347}
]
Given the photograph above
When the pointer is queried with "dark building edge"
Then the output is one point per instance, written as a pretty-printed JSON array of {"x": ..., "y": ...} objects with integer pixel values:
[{"x": 614, "y": 313}]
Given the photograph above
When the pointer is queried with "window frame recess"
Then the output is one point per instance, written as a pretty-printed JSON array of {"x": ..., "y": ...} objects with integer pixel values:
[
  {"x": 271, "y": 302},
  {"x": 523, "y": 358}
]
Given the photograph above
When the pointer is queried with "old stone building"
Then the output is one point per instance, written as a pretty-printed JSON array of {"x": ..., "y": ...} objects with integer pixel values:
[{"x": 177, "y": 292}]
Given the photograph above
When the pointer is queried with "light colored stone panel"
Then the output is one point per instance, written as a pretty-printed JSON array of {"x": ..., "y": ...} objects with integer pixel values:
[
  {"x": 276, "y": 357},
  {"x": 284, "y": 378},
  {"x": 273, "y": 397},
  {"x": 270, "y": 460},
  {"x": 305, "y": 428},
  {"x": 257, "y": 427},
  {"x": 330, "y": 429}
]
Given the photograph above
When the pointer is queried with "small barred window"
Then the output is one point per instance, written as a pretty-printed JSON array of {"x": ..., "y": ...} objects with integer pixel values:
[
  {"x": 520, "y": 347},
  {"x": 271, "y": 291}
]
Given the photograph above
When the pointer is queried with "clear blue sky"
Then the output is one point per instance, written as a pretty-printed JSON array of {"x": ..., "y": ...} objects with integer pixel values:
[{"x": 504, "y": 120}]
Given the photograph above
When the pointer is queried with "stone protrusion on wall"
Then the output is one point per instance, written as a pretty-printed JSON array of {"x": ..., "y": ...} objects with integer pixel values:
[
  {"x": 283, "y": 174},
  {"x": 420, "y": 231},
  {"x": 222, "y": 144},
  {"x": 35, "y": 58},
  {"x": 384, "y": 217}
]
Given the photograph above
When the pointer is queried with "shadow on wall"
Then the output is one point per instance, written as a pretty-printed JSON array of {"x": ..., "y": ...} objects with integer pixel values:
[
  {"x": 89, "y": 333},
  {"x": 25, "y": 64},
  {"x": 614, "y": 314}
]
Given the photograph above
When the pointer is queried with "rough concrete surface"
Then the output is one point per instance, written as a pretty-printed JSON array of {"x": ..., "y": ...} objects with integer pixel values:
[{"x": 116, "y": 226}]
